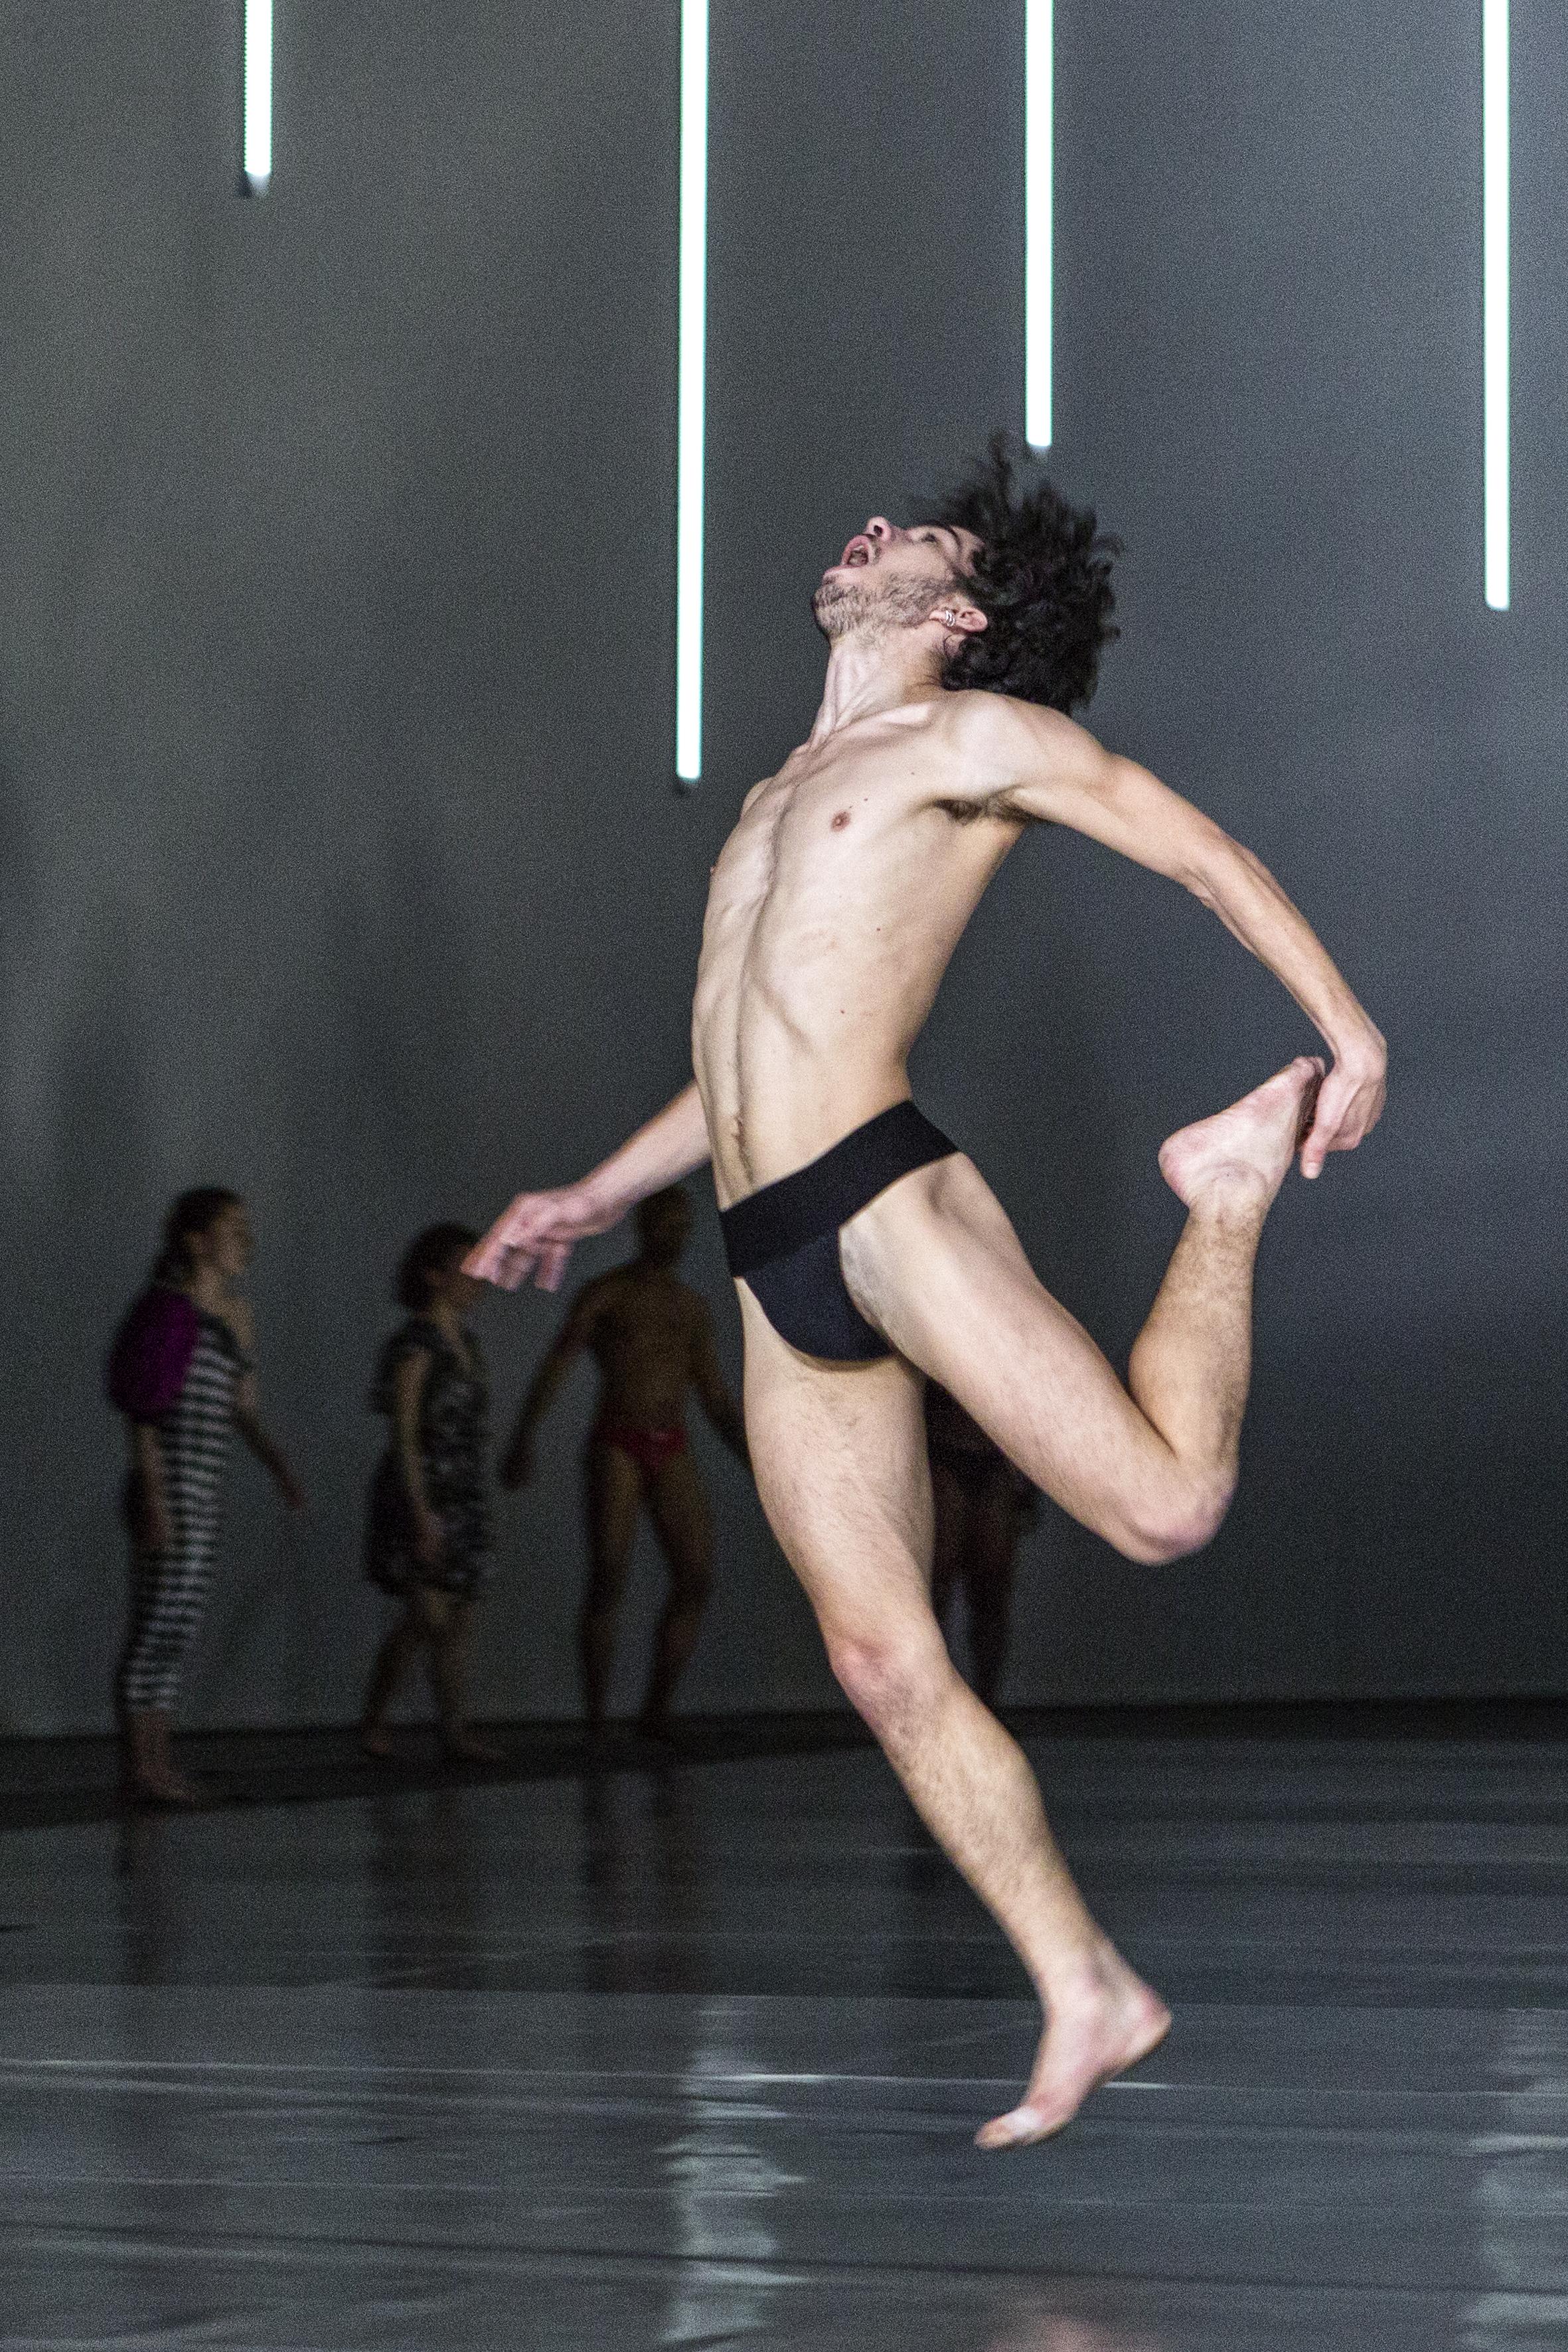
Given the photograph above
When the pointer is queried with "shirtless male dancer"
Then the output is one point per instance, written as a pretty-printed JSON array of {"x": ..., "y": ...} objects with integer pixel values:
[
  {"x": 869, "y": 1251},
  {"x": 652, "y": 1338}
]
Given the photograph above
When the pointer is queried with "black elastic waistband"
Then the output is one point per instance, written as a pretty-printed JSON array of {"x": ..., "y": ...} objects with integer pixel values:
[{"x": 827, "y": 1193}]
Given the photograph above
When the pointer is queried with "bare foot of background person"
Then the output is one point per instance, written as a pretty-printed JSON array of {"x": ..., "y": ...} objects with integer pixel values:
[
  {"x": 166, "y": 1788},
  {"x": 1096, "y": 2028},
  {"x": 468, "y": 1747}
]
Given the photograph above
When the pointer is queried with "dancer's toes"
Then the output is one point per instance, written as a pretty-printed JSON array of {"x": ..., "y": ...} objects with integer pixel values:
[
  {"x": 375, "y": 1740},
  {"x": 1019, "y": 2127},
  {"x": 1247, "y": 1148}
]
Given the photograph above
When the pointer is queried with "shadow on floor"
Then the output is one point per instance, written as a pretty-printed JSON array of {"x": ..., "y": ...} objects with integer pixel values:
[{"x": 48, "y": 1782}]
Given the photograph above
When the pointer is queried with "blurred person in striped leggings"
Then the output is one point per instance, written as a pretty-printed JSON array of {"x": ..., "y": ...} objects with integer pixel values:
[{"x": 183, "y": 1372}]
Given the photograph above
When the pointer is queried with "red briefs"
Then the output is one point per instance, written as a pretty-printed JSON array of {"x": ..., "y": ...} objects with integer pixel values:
[{"x": 650, "y": 1449}]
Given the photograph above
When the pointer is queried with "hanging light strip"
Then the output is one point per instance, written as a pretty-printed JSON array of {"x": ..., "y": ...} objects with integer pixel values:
[
  {"x": 1495, "y": 206},
  {"x": 692, "y": 385},
  {"x": 258, "y": 95},
  {"x": 1039, "y": 226}
]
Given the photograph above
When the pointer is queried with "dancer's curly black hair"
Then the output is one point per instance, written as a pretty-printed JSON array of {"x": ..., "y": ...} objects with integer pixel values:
[{"x": 1042, "y": 579}]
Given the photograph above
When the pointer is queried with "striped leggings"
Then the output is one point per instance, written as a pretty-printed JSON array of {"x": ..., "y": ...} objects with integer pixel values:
[{"x": 168, "y": 1601}]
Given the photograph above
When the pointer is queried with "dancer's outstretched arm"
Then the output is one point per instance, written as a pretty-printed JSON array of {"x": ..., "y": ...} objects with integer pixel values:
[
  {"x": 536, "y": 1235},
  {"x": 1053, "y": 772}
]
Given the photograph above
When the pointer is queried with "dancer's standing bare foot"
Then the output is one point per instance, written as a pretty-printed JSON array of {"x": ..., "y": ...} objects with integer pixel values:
[{"x": 1101, "y": 2020}]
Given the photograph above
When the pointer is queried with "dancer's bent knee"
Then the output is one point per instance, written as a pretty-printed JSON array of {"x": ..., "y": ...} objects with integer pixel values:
[
  {"x": 1157, "y": 1530},
  {"x": 892, "y": 1678}
]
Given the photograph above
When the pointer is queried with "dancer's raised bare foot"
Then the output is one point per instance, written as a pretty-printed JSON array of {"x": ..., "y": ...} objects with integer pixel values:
[
  {"x": 375, "y": 1740},
  {"x": 1251, "y": 1145},
  {"x": 1097, "y": 2025}
]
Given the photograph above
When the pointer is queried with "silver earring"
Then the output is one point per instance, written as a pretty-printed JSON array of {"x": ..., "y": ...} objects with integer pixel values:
[{"x": 950, "y": 619}]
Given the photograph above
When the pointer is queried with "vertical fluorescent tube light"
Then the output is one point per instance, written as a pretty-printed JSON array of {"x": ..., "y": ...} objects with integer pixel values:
[
  {"x": 1495, "y": 209},
  {"x": 258, "y": 95},
  {"x": 1040, "y": 262},
  {"x": 692, "y": 385}
]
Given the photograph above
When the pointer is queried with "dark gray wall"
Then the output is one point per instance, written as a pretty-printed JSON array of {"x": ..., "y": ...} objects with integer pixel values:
[{"x": 338, "y": 857}]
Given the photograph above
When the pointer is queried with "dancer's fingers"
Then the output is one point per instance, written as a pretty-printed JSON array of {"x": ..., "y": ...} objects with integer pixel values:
[
  {"x": 551, "y": 1265},
  {"x": 1315, "y": 1150},
  {"x": 521, "y": 1262},
  {"x": 488, "y": 1261},
  {"x": 499, "y": 1259},
  {"x": 1321, "y": 1118}
]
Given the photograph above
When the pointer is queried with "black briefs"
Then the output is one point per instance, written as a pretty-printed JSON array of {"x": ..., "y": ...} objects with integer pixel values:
[{"x": 784, "y": 1241}]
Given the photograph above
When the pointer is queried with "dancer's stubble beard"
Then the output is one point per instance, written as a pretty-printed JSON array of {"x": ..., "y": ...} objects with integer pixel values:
[{"x": 844, "y": 607}]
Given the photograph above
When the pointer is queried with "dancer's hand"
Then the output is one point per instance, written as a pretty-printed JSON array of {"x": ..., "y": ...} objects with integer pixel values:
[
  {"x": 537, "y": 1234},
  {"x": 1350, "y": 1100},
  {"x": 290, "y": 1488}
]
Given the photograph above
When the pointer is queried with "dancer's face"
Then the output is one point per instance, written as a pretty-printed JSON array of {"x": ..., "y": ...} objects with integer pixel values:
[
  {"x": 892, "y": 576},
  {"x": 450, "y": 1287},
  {"x": 226, "y": 1246}
]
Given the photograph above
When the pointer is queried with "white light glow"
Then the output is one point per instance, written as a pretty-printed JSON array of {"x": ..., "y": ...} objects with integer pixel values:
[
  {"x": 1495, "y": 205},
  {"x": 1039, "y": 261},
  {"x": 258, "y": 93},
  {"x": 693, "y": 366}
]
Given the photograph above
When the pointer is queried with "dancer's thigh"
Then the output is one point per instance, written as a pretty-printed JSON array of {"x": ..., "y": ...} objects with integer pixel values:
[
  {"x": 677, "y": 1506},
  {"x": 612, "y": 1497},
  {"x": 838, "y": 1453},
  {"x": 934, "y": 1262}
]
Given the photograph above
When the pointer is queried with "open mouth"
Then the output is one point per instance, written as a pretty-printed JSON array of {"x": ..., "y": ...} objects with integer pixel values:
[{"x": 859, "y": 553}]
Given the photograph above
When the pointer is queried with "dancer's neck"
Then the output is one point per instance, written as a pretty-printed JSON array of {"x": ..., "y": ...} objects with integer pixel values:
[{"x": 872, "y": 671}]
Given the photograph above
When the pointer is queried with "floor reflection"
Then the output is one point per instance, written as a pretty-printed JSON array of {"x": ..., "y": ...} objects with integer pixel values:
[
  {"x": 643, "y": 1875},
  {"x": 425, "y": 1868},
  {"x": 1522, "y": 2189},
  {"x": 1052, "y": 2333},
  {"x": 150, "y": 1899},
  {"x": 724, "y": 2190}
]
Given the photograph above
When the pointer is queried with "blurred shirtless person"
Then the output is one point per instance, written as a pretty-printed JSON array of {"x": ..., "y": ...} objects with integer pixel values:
[
  {"x": 981, "y": 1506},
  {"x": 652, "y": 1339},
  {"x": 869, "y": 1251}
]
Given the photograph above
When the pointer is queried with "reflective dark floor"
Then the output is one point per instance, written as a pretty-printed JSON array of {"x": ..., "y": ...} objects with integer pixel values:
[{"x": 689, "y": 2054}]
